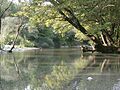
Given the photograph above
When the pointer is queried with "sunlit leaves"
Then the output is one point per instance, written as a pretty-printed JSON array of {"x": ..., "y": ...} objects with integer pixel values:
[{"x": 94, "y": 15}]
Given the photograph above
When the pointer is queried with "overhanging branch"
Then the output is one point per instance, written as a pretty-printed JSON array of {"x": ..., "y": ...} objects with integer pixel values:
[
  {"x": 75, "y": 22},
  {"x": 6, "y": 9}
]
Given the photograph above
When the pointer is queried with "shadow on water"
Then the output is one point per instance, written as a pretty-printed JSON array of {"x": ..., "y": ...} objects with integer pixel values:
[{"x": 59, "y": 69}]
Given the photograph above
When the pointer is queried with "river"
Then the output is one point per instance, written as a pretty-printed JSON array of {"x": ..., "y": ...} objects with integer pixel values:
[{"x": 59, "y": 69}]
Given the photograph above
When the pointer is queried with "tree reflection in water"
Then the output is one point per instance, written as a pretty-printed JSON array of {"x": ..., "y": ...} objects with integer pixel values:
[{"x": 59, "y": 70}]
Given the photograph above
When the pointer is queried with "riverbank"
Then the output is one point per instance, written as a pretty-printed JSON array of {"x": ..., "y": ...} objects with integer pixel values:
[
  {"x": 84, "y": 48},
  {"x": 17, "y": 48}
]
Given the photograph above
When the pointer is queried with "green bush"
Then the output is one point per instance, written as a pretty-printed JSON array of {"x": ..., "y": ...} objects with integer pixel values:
[
  {"x": 20, "y": 41},
  {"x": 44, "y": 42},
  {"x": 45, "y": 45},
  {"x": 26, "y": 43},
  {"x": 10, "y": 38}
]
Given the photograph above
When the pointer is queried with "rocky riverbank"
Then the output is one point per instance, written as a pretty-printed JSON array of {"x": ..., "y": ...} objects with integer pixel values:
[{"x": 16, "y": 49}]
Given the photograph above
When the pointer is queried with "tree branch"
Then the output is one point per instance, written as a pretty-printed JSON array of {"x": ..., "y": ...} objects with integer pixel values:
[
  {"x": 75, "y": 22},
  {"x": 6, "y": 9},
  {"x": 1, "y": 2},
  {"x": 18, "y": 31}
]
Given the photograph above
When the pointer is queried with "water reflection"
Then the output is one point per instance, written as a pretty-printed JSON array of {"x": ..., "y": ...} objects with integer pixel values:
[{"x": 59, "y": 69}]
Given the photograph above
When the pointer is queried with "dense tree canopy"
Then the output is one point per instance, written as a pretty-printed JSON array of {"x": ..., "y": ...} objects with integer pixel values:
[
  {"x": 99, "y": 20},
  {"x": 7, "y": 8}
]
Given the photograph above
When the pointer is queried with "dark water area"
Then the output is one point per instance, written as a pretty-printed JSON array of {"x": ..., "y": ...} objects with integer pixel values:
[{"x": 59, "y": 69}]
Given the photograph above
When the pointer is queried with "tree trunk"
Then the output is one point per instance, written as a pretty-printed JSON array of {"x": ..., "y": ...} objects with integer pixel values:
[
  {"x": 103, "y": 39},
  {"x": 107, "y": 49},
  {"x": 75, "y": 22},
  {"x": 104, "y": 44},
  {"x": 18, "y": 31}
]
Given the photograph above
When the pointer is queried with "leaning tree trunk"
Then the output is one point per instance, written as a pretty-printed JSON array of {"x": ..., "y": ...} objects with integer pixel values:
[
  {"x": 100, "y": 47},
  {"x": 14, "y": 42},
  {"x": 69, "y": 16}
]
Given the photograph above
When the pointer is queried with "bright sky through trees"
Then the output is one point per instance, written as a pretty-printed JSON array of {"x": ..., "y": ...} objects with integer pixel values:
[{"x": 16, "y": 1}]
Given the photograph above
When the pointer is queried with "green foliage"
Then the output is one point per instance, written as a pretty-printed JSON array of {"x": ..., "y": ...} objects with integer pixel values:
[
  {"x": 9, "y": 31},
  {"x": 39, "y": 36},
  {"x": 57, "y": 39},
  {"x": 12, "y": 8},
  {"x": 9, "y": 25},
  {"x": 42, "y": 37},
  {"x": 26, "y": 43},
  {"x": 20, "y": 41},
  {"x": 52, "y": 30},
  {"x": 94, "y": 15},
  {"x": 10, "y": 38}
]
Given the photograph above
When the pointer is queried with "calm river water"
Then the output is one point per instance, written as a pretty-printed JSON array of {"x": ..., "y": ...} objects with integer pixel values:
[{"x": 59, "y": 69}]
